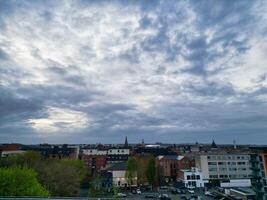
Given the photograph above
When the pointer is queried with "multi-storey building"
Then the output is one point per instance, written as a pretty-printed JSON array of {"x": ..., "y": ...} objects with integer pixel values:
[
  {"x": 169, "y": 165},
  {"x": 259, "y": 172},
  {"x": 229, "y": 168},
  {"x": 118, "y": 171},
  {"x": 191, "y": 177},
  {"x": 97, "y": 158},
  {"x": 55, "y": 151}
]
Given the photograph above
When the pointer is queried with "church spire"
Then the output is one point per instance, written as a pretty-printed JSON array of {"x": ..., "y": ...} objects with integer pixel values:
[
  {"x": 213, "y": 145},
  {"x": 126, "y": 142}
]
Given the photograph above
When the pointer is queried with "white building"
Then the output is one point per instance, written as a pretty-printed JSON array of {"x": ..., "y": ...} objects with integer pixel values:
[
  {"x": 192, "y": 178},
  {"x": 118, "y": 171},
  {"x": 111, "y": 151},
  {"x": 11, "y": 153},
  {"x": 226, "y": 167}
]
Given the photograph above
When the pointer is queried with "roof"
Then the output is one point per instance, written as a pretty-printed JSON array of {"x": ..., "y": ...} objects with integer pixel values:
[
  {"x": 170, "y": 157},
  {"x": 117, "y": 167},
  {"x": 154, "y": 151}
]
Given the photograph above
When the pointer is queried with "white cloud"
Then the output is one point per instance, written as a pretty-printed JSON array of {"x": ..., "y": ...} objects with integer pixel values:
[{"x": 60, "y": 120}]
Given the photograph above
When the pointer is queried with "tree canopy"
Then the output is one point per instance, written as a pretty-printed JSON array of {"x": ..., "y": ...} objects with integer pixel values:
[
  {"x": 61, "y": 177},
  {"x": 151, "y": 170},
  {"x": 131, "y": 170},
  {"x": 20, "y": 182}
]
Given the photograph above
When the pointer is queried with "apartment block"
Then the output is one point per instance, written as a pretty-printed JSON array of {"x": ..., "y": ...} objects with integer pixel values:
[
  {"x": 226, "y": 167},
  {"x": 259, "y": 172}
]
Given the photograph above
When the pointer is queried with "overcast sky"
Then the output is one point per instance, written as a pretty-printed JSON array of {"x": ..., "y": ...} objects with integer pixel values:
[{"x": 164, "y": 71}]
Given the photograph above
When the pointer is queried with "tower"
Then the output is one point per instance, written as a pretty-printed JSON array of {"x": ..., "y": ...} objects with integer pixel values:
[
  {"x": 126, "y": 142},
  {"x": 213, "y": 145}
]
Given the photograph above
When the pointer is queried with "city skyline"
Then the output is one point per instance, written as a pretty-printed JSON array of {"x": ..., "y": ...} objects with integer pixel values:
[{"x": 162, "y": 71}]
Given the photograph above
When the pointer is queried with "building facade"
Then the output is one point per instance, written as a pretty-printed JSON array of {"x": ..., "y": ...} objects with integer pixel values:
[
  {"x": 97, "y": 158},
  {"x": 191, "y": 178},
  {"x": 225, "y": 167},
  {"x": 118, "y": 171},
  {"x": 259, "y": 173}
]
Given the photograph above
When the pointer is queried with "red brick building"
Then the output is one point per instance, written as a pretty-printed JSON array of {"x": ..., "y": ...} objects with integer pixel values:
[
  {"x": 185, "y": 162},
  {"x": 170, "y": 165},
  {"x": 94, "y": 163}
]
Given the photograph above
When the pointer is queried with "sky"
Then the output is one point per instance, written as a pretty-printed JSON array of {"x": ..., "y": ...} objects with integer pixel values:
[{"x": 163, "y": 71}]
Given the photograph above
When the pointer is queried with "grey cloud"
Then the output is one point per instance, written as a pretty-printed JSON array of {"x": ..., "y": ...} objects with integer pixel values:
[
  {"x": 130, "y": 91},
  {"x": 3, "y": 55}
]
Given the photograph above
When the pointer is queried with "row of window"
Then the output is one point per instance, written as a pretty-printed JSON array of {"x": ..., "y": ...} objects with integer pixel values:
[
  {"x": 224, "y": 157},
  {"x": 119, "y": 151},
  {"x": 229, "y": 169},
  {"x": 193, "y": 177},
  {"x": 229, "y": 176},
  {"x": 226, "y": 163}
]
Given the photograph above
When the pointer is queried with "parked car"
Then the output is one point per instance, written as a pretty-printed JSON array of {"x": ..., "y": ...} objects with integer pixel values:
[
  {"x": 164, "y": 197},
  {"x": 210, "y": 194},
  {"x": 163, "y": 189},
  {"x": 175, "y": 191},
  {"x": 122, "y": 195},
  {"x": 183, "y": 197},
  {"x": 150, "y": 196},
  {"x": 138, "y": 191},
  {"x": 195, "y": 197},
  {"x": 183, "y": 191},
  {"x": 191, "y": 191}
]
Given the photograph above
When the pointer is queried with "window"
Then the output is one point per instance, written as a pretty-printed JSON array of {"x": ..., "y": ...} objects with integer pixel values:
[
  {"x": 213, "y": 176},
  {"x": 213, "y": 169},
  {"x": 188, "y": 177},
  {"x": 212, "y": 163},
  {"x": 198, "y": 177}
]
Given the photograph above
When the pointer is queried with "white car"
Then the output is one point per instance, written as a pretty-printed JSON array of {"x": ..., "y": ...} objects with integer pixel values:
[
  {"x": 191, "y": 191},
  {"x": 138, "y": 191},
  {"x": 207, "y": 193},
  {"x": 122, "y": 195}
]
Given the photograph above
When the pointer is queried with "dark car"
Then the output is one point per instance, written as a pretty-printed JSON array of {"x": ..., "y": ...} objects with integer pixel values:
[
  {"x": 175, "y": 191},
  {"x": 183, "y": 191},
  {"x": 183, "y": 197}
]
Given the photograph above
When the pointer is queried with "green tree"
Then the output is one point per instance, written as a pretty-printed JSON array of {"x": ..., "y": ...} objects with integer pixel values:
[
  {"x": 131, "y": 170},
  {"x": 115, "y": 191},
  {"x": 151, "y": 171},
  {"x": 20, "y": 182},
  {"x": 78, "y": 165},
  {"x": 59, "y": 177},
  {"x": 95, "y": 187}
]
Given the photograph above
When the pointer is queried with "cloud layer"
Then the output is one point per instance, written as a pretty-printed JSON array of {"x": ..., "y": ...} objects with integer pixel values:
[{"x": 96, "y": 71}]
